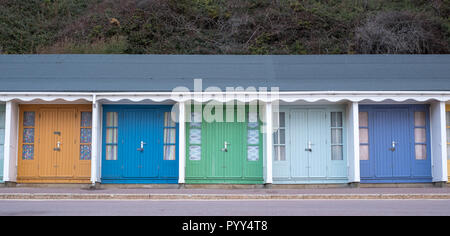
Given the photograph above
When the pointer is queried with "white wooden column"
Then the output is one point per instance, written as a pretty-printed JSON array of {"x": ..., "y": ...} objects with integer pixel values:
[
  {"x": 11, "y": 142},
  {"x": 269, "y": 143},
  {"x": 353, "y": 143},
  {"x": 438, "y": 142},
  {"x": 96, "y": 143},
  {"x": 182, "y": 142}
]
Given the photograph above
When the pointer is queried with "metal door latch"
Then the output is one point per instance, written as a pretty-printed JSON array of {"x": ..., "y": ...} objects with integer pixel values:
[
  {"x": 142, "y": 146},
  {"x": 225, "y": 149},
  {"x": 58, "y": 146},
  {"x": 393, "y": 146},
  {"x": 309, "y": 149}
]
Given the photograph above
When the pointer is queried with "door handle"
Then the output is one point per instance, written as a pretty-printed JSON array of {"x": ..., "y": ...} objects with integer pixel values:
[
  {"x": 225, "y": 149},
  {"x": 393, "y": 146},
  {"x": 58, "y": 146},
  {"x": 142, "y": 146},
  {"x": 309, "y": 149}
]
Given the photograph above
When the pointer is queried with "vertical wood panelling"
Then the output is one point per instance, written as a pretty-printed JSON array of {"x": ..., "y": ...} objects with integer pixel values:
[
  {"x": 382, "y": 156},
  {"x": 69, "y": 138},
  {"x": 217, "y": 166},
  {"x": 401, "y": 131},
  {"x": 299, "y": 158},
  {"x": 394, "y": 123},
  {"x": 152, "y": 133},
  {"x": 46, "y": 155},
  {"x": 306, "y": 125},
  {"x": 317, "y": 132},
  {"x": 53, "y": 124},
  {"x": 139, "y": 124},
  {"x": 131, "y": 138}
]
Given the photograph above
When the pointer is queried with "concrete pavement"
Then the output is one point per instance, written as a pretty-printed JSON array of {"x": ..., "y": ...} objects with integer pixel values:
[{"x": 129, "y": 193}]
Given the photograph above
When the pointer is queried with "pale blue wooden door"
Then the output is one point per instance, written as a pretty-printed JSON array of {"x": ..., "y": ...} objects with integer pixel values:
[
  {"x": 314, "y": 144},
  {"x": 299, "y": 158},
  {"x": 2, "y": 138},
  {"x": 309, "y": 149},
  {"x": 318, "y": 138}
]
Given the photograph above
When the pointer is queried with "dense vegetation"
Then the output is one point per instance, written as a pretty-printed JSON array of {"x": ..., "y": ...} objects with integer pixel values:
[{"x": 225, "y": 26}]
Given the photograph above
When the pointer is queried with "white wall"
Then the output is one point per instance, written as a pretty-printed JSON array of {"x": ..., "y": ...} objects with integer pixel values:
[
  {"x": 11, "y": 141},
  {"x": 96, "y": 143},
  {"x": 438, "y": 142},
  {"x": 353, "y": 142}
]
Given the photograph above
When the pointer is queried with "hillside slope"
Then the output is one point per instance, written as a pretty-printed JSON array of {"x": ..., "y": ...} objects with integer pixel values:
[{"x": 225, "y": 26}]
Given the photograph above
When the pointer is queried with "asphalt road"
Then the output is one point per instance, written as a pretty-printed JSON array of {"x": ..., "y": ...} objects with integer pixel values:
[{"x": 226, "y": 208}]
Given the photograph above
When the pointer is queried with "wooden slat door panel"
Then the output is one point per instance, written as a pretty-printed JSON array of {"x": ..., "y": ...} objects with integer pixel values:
[
  {"x": 53, "y": 123},
  {"x": 317, "y": 133},
  {"x": 151, "y": 127},
  {"x": 69, "y": 139},
  {"x": 46, "y": 155},
  {"x": 217, "y": 166},
  {"x": 299, "y": 158},
  {"x": 382, "y": 129},
  {"x": 212, "y": 149},
  {"x": 236, "y": 155},
  {"x": 394, "y": 123},
  {"x": 401, "y": 157},
  {"x": 131, "y": 157}
]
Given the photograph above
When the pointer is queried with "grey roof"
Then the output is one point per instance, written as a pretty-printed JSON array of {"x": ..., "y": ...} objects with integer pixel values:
[{"x": 133, "y": 73}]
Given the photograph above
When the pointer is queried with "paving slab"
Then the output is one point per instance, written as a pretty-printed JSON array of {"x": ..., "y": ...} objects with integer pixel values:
[{"x": 226, "y": 194}]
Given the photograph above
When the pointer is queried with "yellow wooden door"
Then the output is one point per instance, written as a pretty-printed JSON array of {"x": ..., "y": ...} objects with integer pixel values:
[
  {"x": 48, "y": 126},
  {"x": 67, "y": 140},
  {"x": 51, "y": 149}
]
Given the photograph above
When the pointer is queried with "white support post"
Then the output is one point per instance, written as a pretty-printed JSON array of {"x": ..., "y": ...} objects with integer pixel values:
[
  {"x": 11, "y": 142},
  {"x": 96, "y": 144},
  {"x": 353, "y": 143},
  {"x": 269, "y": 143},
  {"x": 182, "y": 142},
  {"x": 438, "y": 142}
]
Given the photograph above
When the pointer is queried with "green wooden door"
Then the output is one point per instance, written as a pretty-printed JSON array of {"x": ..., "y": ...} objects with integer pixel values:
[
  {"x": 224, "y": 152},
  {"x": 225, "y": 162}
]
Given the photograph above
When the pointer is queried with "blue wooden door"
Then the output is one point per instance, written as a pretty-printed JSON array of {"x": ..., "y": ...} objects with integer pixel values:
[
  {"x": 391, "y": 150},
  {"x": 141, "y": 146},
  {"x": 383, "y": 138},
  {"x": 142, "y": 143}
]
